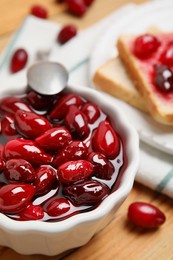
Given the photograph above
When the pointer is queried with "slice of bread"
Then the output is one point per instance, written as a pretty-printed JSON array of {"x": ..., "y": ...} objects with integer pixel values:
[
  {"x": 160, "y": 108},
  {"x": 112, "y": 78}
]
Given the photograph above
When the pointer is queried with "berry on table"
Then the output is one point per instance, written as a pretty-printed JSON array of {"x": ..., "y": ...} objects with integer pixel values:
[
  {"x": 66, "y": 33},
  {"x": 145, "y": 215},
  {"x": 77, "y": 7},
  {"x": 18, "y": 60},
  {"x": 39, "y": 11}
]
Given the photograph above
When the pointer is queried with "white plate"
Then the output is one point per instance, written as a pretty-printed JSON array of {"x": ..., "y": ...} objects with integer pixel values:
[{"x": 157, "y": 13}]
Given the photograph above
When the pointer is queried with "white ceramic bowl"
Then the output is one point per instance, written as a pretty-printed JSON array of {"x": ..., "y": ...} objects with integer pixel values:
[{"x": 36, "y": 237}]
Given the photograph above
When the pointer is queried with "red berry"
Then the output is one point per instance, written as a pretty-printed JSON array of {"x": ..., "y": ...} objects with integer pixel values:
[
  {"x": 39, "y": 11},
  {"x": 145, "y": 45},
  {"x": 15, "y": 197},
  {"x": 45, "y": 178},
  {"x": 58, "y": 207},
  {"x": 1, "y": 150},
  {"x": 163, "y": 78},
  {"x": 12, "y": 104},
  {"x": 2, "y": 164},
  {"x": 60, "y": 1},
  {"x": 91, "y": 111},
  {"x": 167, "y": 55},
  {"x": 145, "y": 215},
  {"x": 73, "y": 171},
  {"x": 8, "y": 126},
  {"x": 106, "y": 141},
  {"x": 40, "y": 102},
  {"x": 30, "y": 125},
  {"x": 62, "y": 105},
  {"x": 76, "y": 7},
  {"x": 88, "y": 192},
  {"x": 88, "y": 2},
  {"x": 54, "y": 139},
  {"x": 75, "y": 150},
  {"x": 19, "y": 170},
  {"x": 32, "y": 212},
  {"x": 27, "y": 150},
  {"x": 103, "y": 168},
  {"x": 76, "y": 122},
  {"x": 18, "y": 60},
  {"x": 66, "y": 33}
]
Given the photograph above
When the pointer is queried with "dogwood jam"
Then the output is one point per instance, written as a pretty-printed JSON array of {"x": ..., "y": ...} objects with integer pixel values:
[{"x": 59, "y": 156}]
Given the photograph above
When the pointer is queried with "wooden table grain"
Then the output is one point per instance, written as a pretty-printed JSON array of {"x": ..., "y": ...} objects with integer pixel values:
[{"x": 119, "y": 240}]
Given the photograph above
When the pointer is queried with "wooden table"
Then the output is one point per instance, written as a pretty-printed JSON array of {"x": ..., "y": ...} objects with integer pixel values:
[{"x": 119, "y": 240}]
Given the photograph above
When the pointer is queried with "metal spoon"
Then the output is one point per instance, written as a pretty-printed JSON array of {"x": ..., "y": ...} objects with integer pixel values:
[{"x": 47, "y": 78}]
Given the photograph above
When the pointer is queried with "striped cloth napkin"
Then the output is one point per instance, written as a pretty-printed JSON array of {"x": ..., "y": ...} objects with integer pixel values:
[{"x": 38, "y": 37}]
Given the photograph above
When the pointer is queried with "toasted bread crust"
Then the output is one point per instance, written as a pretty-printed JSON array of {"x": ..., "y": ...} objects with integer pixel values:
[
  {"x": 155, "y": 106},
  {"x": 111, "y": 77}
]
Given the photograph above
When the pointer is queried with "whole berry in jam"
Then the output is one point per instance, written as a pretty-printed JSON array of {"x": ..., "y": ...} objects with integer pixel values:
[
  {"x": 18, "y": 60},
  {"x": 1, "y": 150},
  {"x": 145, "y": 215},
  {"x": 103, "y": 168},
  {"x": 19, "y": 170},
  {"x": 32, "y": 212},
  {"x": 2, "y": 164},
  {"x": 91, "y": 111},
  {"x": 67, "y": 33},
  {"x": 88, "y": 192},
  {"x": 58, "y": 207},
  {"x": 75, "y": 150},
  {"x": 77, "y": 123},
  {"x": 167, "y": 55},
  {"x": 26, "y": 149},
  {"x": 54, "y": 139},
  {"x": 30, "y": 125},
  {"x": 45, "y": 179},
  {"x": 106, "y": 141},
  {"x": 163, "y": 78},
  {"x": 40, "y": 102},
  {"x": 73, "y": 171},
  {"x": 15, "y": 197},
  {"x": 76, "y": 7},
  {"x": 8, "y": 127},
  {"x": 145, "y": 45},
  {"x": 11, "y": 104},
  {"x": 39, "y": 11},
  {"x": 62, "y": 105}
]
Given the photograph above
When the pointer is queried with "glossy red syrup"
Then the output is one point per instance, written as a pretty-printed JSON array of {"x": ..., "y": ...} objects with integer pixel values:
[
  {"x": 59, "y": 156},
  {"x": 162, "y": 55}
]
